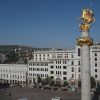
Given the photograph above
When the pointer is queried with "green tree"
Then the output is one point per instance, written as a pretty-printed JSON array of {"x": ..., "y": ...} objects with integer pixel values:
[
  {"x": 25, "y": 61},
  {"x": 39, "y": 79},
  {"x": 43, "y": 82},
  {"x": 12, "y": 57},
  {"x": 52, "y": 83},
  {"x": 47, "y": 80},
  {"x": 65, "y": 83},
  {"x": 93, "y": 82}
]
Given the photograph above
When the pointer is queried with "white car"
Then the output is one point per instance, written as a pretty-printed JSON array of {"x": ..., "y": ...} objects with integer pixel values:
[
  {"x": 23, "y": 99},
  {"x": 56, "y": 98}
]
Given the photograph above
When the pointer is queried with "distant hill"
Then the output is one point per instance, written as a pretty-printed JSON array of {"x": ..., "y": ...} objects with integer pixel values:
[
  {"x": 17, "y": 53},
  {"x": 8, "y": 48},
  {"x": 5, "y": 48}
]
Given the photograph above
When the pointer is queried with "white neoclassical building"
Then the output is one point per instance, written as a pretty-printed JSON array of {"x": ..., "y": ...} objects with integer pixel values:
[
  {"x": 13, "y": 73},
  {"x": 59, "y": 64},
  {"x": 95, "y": 61},
  {"x": 62, "y": 64}
]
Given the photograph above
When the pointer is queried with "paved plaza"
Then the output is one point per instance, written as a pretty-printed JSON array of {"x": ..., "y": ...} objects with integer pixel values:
[
  {"x": 36, "y": 94},
  {"x": 15, "y": 93}
]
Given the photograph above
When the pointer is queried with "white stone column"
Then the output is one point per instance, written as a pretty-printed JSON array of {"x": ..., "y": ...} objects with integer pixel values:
[
  {"x": 85, "y": 74},
  {"x": 85, "y": 42}
]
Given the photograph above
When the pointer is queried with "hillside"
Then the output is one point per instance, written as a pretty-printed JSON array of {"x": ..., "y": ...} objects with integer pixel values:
[{"x": 8, "y": 48}]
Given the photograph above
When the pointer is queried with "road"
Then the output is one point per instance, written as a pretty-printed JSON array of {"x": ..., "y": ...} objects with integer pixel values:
[{"x": 37, "y": 94}]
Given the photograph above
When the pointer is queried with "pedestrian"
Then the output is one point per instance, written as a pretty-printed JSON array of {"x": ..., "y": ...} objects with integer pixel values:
[{"x": 96, "y": 93}]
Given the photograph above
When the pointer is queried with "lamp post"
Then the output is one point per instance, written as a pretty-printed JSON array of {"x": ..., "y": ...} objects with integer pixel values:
[{"x": 85, "y": 42}]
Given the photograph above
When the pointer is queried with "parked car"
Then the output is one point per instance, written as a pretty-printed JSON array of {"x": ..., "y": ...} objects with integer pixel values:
[
  {"x": 23, "y": 99},
  {"x": 23, "y": 85},
  {"x": 55, "y": 88},
  {"x": 64, "y": 88},
  {"x": 47, "y": 87},
  {"x": 11, "y": 85},
  {"x": 8, "y": 94},
  {"x": 56, "y": 98},
  {"x": 31, "y": 85}
]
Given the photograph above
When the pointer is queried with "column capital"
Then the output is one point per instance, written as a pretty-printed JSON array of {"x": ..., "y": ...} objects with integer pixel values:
[{"x": 84, "y": 41}]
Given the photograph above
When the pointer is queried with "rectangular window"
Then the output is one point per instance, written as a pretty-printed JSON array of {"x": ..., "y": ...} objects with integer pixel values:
[
  {"x": 56, "y": 72},
  {"x": 46, "y": 69},
  {"x": 56, "y": 67},
  {"x": 79, "y": 52},
  {"x": 95, "y": 64},
  {"x": 7, "y": 75},
  {"x": 71, "y": 55},
  {"x": 78, "y": 62},
  {"x": 46, "y": 64},
  {"x": 96, "y": 76},
  {"x": 72, "y": 69},
  {"x": 18, "y": 76},
  {"x": 64, "y": 62},
  {"x": 95, "y": 70},
  {"x": 15, "y": 76},
  {"x": 95, "y": 59},
  {"x": 52, "y": 72},
  {"x": 64, "y": 78},
  {"x": 95, "y": 54},
  {"x": 64, "y": 67},
  {"x": 52, "y": 77},
  {"x": 72, "y": 63},
  {"x": 51, "y": 66},
  {"x": 37, "y": 64},
  {"x": 79, "y": 69},
  {"x": 64, "y": 73},
  {"x": 72, "y": 75},
  {"x": 56, "y": 62},
  {"x": 43, "y": 58}
]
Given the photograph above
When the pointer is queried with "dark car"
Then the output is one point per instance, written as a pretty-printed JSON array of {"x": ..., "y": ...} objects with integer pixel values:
[
  {"x": 55, "y": 88},
  {"x": 8, "y": 94}
]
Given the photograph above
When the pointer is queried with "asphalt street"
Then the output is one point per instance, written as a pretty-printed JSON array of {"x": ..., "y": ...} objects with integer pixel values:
[
  {"x": 36, "y": 94},
  {"x": 15, "y": 93}
]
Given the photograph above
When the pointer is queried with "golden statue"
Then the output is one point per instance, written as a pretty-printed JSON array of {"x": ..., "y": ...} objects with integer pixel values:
[{"x": 87, "y": 18}]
